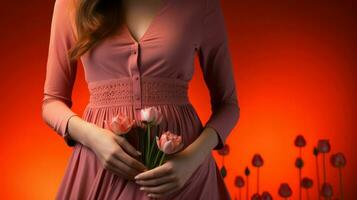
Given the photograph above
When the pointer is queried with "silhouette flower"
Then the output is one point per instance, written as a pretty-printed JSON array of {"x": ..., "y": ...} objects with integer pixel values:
[
  {"x": 326, "y": 190},
  {"x": 256, "y": 196},
  {"x": 324, "y": 146},
  {"x": 306, "y": 183},
  {"x": 247, "y": 173},
  {"x": 299, "y": 163},
  {"x": 338, "y": 160},
  {"x": 266, "y": 196},
  {"x": 239, "y": 181},
  {"x": 316, "y": 154},
  {"x": 224, "y": 150},
  {"x": 257, "y": 160},
  {"x": 285, "y": 190},
  {"x": 300, "y": 141}
]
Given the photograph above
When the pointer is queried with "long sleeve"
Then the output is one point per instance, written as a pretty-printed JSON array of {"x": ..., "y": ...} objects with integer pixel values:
[
  {"x": 60, "y": 73},
  {"x": 216, "y": 65}
]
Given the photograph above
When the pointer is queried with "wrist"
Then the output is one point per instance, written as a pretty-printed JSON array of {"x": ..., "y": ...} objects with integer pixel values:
[
  {"x": 202, "y": 146},
  {"x": 91, "y": 134}
]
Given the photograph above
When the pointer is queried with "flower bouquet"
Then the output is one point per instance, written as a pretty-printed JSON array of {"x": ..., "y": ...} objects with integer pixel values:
[{"x": 154, "y": 150}]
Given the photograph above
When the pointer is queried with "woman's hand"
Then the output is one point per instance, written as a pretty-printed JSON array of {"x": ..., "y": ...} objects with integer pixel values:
[
  {"x": 175, "y": 172},
  {"x": 170, "y": 176},
  {"x": 116, "y": 153}
]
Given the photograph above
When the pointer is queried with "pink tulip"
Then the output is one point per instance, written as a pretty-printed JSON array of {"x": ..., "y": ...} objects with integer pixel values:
[
  {"x": 300, "y": 141},
  {"x": 151, "y": 115},
  {"x": 257, "y": 160},
  {"x": 119, "y": 124},
  {"x": 338, "y": 160},
  {"x": 285, "y": 190},
  {"x": 324, "y": 146},
  {"x": 169, "y": 143}
]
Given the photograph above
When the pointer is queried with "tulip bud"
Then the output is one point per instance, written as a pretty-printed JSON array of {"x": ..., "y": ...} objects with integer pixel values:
[
  {"x": 257, "y": 160},
  {"x": 300, "y": 141}
]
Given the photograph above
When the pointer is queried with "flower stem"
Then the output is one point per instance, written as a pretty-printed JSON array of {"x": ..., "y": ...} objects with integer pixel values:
[
  {"x": 150, "y": 153},
  {"x": 162, "y": 158},
  {"x": 156, "y": 157},
  {"x": 141, "y": 146},
  {"x": 148, "y": 144},
  {"x": 341, "y": 183}
]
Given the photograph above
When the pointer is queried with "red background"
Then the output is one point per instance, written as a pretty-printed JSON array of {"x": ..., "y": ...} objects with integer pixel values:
[{"x": 295, "y": 70}]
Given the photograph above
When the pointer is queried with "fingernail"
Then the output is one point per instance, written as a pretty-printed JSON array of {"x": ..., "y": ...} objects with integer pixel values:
[
  {"x": 141, "y": 188},
  {"x": 138, "y": 152},
  {"x": 136, "y": 177}
]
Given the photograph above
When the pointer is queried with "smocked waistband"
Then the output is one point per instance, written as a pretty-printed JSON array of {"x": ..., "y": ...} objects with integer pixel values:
[{"x": 153, "y": 91}]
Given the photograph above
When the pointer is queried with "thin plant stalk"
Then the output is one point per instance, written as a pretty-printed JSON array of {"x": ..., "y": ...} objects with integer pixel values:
[
  {"x": 240, "y": 193},
  {"x": 300, "y": 184},
  {"x": 257, "y": 180},
  {"x": 150, "y": 153},
  {"x": 158, "y": 155},
  {"x": 300, "y": 189},
  {"x": 341, "y": 183},
  {"x": 162, "y": 159},
  {"x": 317, "y": 177},
  {"x": 307, "y": 194},
  {"x": 324, "y": 168},
  {"x": 247, "y": 189},
  {"x": 148, "y": 144}
]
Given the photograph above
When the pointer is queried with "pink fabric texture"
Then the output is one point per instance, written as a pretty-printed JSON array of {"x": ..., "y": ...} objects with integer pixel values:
[{"x": 125, "y": 75}]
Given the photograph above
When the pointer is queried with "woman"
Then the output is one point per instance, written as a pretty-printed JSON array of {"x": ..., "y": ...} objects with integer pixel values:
[{"x": 138, "y": 54}]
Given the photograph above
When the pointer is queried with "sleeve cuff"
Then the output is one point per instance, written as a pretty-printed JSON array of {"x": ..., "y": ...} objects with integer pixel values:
[
  {"x": 66, "y": 137},
  {"x": 223, "y": 121},
  {"x": 221, "y": 137}
]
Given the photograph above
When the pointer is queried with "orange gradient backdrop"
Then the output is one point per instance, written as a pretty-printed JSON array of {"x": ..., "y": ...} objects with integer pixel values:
[{"x": 295, "y": 69}]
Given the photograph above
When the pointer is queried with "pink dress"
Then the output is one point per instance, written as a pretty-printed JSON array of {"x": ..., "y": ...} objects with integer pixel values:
[{"x": 125, "y": 75}]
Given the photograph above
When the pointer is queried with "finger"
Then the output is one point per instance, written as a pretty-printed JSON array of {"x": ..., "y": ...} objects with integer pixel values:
[
  {"x": 126, "y": 146},
  {"x": 114, "y": 169},
  {"x": 160, "y": 189},
  {"x": 159, "y": 171},
  {"x": 123, "y": 167},
  {"x": 156, "y": 181},
  {"x": 130, "y": 161}
]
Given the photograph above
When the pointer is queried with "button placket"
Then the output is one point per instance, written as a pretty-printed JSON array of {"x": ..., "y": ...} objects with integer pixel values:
[{"x": 136, "y": 76}]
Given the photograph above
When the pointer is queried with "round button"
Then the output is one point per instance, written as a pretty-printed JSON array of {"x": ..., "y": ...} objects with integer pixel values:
[
  {"x": 136, "y": 78},
  {"x": 134, "y": 51}
]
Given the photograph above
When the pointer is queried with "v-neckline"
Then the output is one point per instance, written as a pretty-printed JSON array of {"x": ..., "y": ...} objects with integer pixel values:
[{"x": 152, "y": 22}]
